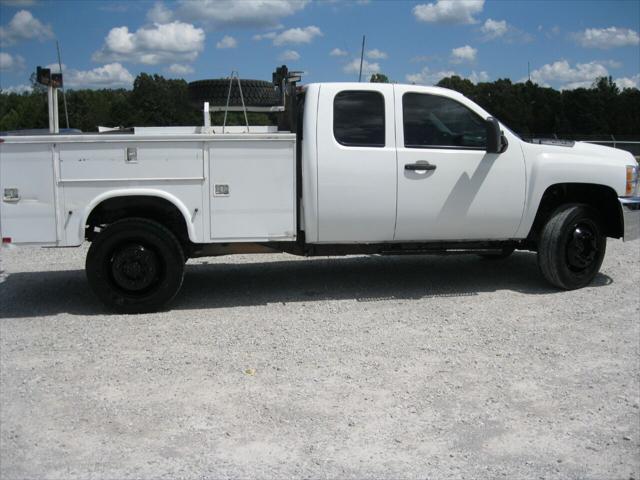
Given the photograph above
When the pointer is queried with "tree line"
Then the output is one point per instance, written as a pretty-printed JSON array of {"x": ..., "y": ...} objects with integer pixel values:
[
  {"x": 530, "y": 109},
  {"x": 527, "y": 108}
]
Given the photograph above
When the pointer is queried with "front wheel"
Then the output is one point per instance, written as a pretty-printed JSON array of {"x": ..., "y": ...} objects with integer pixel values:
[
  {"x": 571, "y": 247},
  {"x": 135, "y": 266}
]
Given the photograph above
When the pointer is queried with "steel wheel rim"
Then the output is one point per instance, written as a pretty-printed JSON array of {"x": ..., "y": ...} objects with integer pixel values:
[
  {"x": 583, "y": 248},
  {"x": 135, "y": 268}
]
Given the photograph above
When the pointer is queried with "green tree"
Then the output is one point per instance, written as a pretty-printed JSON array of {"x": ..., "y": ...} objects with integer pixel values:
[
  {"x": 528, "y": 108},
  {"x": 462, "y": 85},
  {"x": 159, "y": 101},
  {"x": 379, "y": 78}
]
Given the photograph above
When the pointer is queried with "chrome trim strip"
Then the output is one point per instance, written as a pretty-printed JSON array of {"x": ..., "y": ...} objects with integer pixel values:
[{"x": 104, "y": 180}]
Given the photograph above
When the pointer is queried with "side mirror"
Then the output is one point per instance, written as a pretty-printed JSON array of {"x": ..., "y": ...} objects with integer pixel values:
[{"x": 496, "y": 143}]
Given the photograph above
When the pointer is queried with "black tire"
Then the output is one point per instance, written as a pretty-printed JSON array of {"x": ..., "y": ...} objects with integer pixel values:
[
  {"x": 135, "y": 266},
  {"x": 256, "y": 93},
  {"x": 571, "y": 246},
  {"x": 498, "y": 254}
]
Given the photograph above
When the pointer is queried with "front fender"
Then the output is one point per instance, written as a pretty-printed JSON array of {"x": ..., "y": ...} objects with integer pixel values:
[{"x": 551, "y": 165}]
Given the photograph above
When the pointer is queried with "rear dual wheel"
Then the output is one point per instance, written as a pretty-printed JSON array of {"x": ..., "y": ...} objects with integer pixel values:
[{"x": 135, "y": 266}]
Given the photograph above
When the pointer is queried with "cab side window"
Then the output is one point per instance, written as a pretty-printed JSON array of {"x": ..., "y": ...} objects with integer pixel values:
[
  {"x": 358, "y": 118},
  {"x": 432, "y": 121}
]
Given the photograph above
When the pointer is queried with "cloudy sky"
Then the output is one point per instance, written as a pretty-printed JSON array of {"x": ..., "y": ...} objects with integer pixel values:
[{"x": 107, "y": 43}]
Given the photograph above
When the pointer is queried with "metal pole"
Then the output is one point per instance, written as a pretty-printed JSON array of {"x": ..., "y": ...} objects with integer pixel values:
[
  {"x": 50, "y": 104},
  {"x": 361, "y": 60},
  {"x": 56, "y": 116},
  {"x": 64, "y": 96},
  {"x": 226, "y": 109},
  {"x": 244, "y": 108},
  {"x": 207, "y": 115}
]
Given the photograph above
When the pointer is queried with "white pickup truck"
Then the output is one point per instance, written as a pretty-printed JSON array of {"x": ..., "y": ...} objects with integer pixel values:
[{"x": 368, "y": 169}]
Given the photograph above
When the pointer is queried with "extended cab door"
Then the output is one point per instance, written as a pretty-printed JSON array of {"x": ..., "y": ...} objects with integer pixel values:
[
  {"x": 462, "y": 193},
  {"x": 356, "y": 163}
]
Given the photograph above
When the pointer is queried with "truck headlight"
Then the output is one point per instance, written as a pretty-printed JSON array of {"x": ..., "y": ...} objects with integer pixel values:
[{"x": 632, "y": 181}]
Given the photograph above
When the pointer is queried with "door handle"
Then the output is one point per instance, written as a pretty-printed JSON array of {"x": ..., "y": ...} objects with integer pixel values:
[{"x": 419, "y": 166}]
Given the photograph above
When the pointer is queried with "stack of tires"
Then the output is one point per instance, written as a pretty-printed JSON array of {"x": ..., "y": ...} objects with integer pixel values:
[{"x": 256, "y": 93}]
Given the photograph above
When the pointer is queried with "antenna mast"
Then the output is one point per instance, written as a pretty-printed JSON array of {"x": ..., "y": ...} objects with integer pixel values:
[
  {"x": 361, "y": 60},
  {"x": 64, "y": 96}
]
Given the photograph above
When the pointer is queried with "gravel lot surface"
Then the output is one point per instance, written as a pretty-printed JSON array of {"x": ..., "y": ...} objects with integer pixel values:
[{"x": 361, "y": 367}]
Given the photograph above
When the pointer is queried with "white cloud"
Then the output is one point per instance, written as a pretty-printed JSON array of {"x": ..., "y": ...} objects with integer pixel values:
[
  {"x": 180, "y": 69},
  {"x": 549, "y": 32},
  {"x": 112, "y": 75},
  {"x": 159, "y": 13},
  {"x": 17, "y": 89},
  {"x": 477, "y": 77},
  {"x": 290, "y": 55},
  {"x": 367, "y": 68},
  {"x": 610, "y": 63},
  {"x": 427, "y": 77},
  {"x": 605, "y": 38},
  {"x": 24, "y": 26},
  {"x": 494, "y": 28},
  {"x": 161, "y": 43},
  {"x": 568, "y": 77},
  {"x": 628, "y": 82},
  {"x": 449, "y": 11},
  {"x": 338, "y": 52},
  {"x": 227, "y": 42},
  {"x": 218, "y": 13},
  {"x": 265, "y": 36},
  {"x": 107, "y": 76},
  {"x": 463, "y": 54},
  {"x": 292, "y": 36},
  {"x": 10, "y": 62},
  {"x": 296, "y": 36},
  {"x": 376, "y": 54},
  {"x": 55, "y": 67}
]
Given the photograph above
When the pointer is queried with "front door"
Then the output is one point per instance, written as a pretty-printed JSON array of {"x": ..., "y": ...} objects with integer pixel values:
[{"x": 449, "y": 187}]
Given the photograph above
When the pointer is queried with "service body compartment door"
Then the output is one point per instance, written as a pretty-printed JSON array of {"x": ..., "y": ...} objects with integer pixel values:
[
  {"x": 252, "y": 190},
  {"x": 131, "y": 160},
  {"x": 27, "y": 211}
]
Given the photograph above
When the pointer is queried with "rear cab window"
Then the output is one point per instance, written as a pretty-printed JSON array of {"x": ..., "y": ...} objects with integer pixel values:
[{"x": 358, "y": 118}]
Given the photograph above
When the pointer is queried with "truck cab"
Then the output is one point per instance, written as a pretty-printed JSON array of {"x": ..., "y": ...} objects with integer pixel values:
[{"x": 410, "y": 164}]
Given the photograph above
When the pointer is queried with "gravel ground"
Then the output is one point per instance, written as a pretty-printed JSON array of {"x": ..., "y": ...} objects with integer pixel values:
[{"x": 359, "y": 367}]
